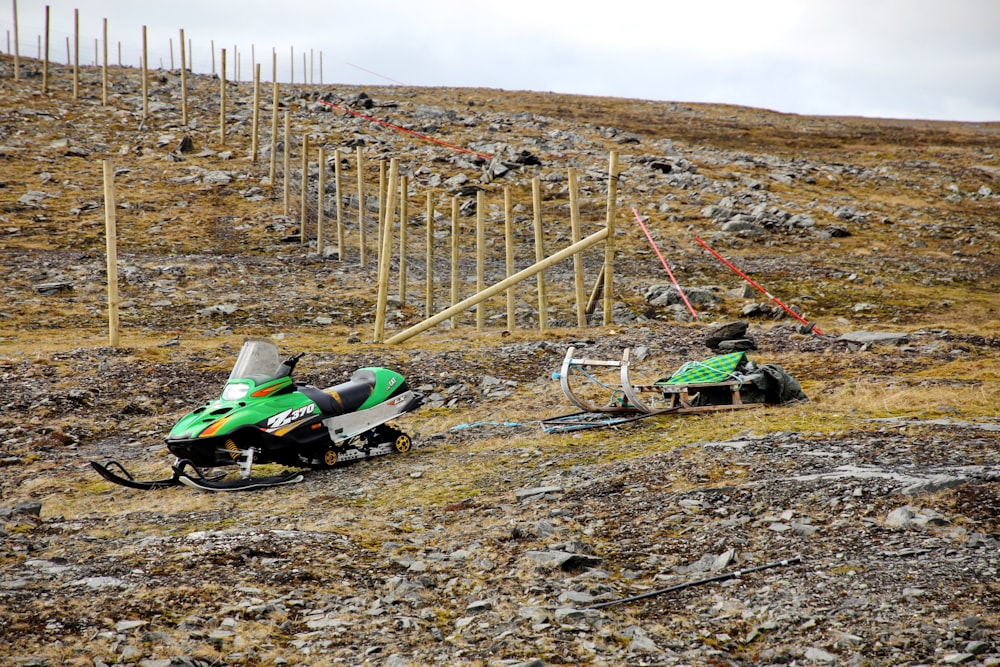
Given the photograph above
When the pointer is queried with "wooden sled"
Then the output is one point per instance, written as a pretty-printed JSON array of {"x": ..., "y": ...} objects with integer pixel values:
[{"x": 657, "y": 397}]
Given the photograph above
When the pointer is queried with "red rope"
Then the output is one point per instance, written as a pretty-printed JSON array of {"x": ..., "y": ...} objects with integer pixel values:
[
  {"x": 811, "y": 327},
  {"x": 406, "y": 131},
  {"x": 664, "y": 262}
]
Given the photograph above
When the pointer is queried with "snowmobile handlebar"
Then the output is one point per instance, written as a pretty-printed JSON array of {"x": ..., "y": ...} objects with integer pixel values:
[{"x": 288, "y": 365}]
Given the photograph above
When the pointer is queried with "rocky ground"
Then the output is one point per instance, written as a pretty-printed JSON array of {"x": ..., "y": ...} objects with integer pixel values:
[{"x": 877, "y": 502}]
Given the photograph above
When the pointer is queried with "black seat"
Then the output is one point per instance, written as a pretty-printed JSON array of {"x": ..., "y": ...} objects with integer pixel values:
[{"x": 343, "y": 398}]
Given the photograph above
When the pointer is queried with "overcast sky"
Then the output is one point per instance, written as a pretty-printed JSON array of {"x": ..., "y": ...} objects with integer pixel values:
[{"x": 927, "y": 59}]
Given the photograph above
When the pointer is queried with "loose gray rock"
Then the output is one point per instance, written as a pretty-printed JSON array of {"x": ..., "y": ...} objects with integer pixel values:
[{"x": 875, "y": 338}]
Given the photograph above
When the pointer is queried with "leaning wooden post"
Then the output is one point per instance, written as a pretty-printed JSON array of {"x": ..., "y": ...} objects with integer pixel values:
[
  {"x": 384, "y": 255},
  {"x": 222, "y": 100},
  {"x": 543, "y": 305},
  {"x": 454, "y": 258},
  {"x": 112, "y": 252},
  {"x": 480, "y": 256},
  {"x": 429, "y": 259},
  {"x": 361, "y": 206},
  {"x": 320, "y": 199},
  {"x": 403, "y": 187},
  {"x": 184, "y": 82},
  {"x": 339, "y": 208},
  {"x": 595, "y": 293},
  {"x": 609, "y": 247},
  {"x": 304, "y": 190},
  {"x": 574, "y": 217},
  {"x": 508, "y": 235},
  {"x": 256, "y": 112},
  {"x": 596, "y": 237}
]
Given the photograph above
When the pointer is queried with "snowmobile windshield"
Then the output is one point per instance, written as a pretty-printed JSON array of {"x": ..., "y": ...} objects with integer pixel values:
[{"x": 258, "y": 360}]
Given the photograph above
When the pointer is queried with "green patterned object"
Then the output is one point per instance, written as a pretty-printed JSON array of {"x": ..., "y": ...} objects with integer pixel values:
[{"x": 715, "y": 369}]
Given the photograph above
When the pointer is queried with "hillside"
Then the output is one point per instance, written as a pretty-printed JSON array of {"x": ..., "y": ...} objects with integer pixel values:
[{"x": 485, "y": 543}]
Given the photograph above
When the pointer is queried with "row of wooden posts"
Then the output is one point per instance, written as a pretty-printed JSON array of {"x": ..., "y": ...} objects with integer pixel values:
[
  {"x": 583, "y": 306},
  {"x": 394, "y": 215},
  {"x": 386, "y": 223},
  {"x": 44, "y": 54}
]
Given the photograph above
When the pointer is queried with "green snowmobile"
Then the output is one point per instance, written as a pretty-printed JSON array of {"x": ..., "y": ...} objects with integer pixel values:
[{"x": 263, "y": 416}]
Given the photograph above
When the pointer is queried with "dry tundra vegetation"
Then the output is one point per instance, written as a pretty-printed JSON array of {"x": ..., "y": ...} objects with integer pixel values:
[{"x": 486, "y": 544}]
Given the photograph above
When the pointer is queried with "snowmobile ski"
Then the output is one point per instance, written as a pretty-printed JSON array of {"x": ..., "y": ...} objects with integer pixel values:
[
  {"x": 126, "y": 478},
  {"x": 243, "y": 484}
]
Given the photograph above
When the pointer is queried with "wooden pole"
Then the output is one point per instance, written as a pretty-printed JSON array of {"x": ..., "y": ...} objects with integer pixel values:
[
  {"x": 170, "y": 45},
  {"x": 609, "y": 247},
  {"x": 362, "y": 242},
  {"x": 274, "y": 120},
  {"x": 382, "y": 176},
  {"x": 45, "y": 61},
  {"x": 184, "y": 82},
  {"x": 596, "y": 237},
  {"x": 339, "y": 207},
  {"x": 112, "y": 253},
  {"x": 543, "y": 304},
  {"x": 454, "y": 258},
  {"x": 104, "y": 68},
  {"x": 480, "y": 256},
  {"x": 304, "y": 190},
  {"x": 17, "y": 47},
  {"x": 596, "y": 292},
  {"x": 508, "y": 233},
  {"x": 291, "y": 65},
  {"x": 145, "y": 76},
  {"x": 211, "y": 48},
  {"x": 403, "y": 213},
  {"x": 256, "y": 113},
  {"x": 574, "y": 217},
  {"x": 385, "y": 254},
  {"x": 76, "y": 54},
  {"x": 287, "y": 164},
  {"x": 222, "y": 98},
  {"x": 320, "y": 201},
  {"x": 429, "y": 258}
]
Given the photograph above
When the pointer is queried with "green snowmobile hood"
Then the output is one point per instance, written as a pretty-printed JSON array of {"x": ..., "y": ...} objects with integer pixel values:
[{"x": 269, "y": 406}]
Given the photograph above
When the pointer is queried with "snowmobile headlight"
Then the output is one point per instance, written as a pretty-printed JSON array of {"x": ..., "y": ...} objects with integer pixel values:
[{"x": 234, "y": 392}]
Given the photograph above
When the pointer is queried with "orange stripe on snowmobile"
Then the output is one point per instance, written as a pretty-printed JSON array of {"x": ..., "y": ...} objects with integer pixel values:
[{"x": 213, "y": 428}]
